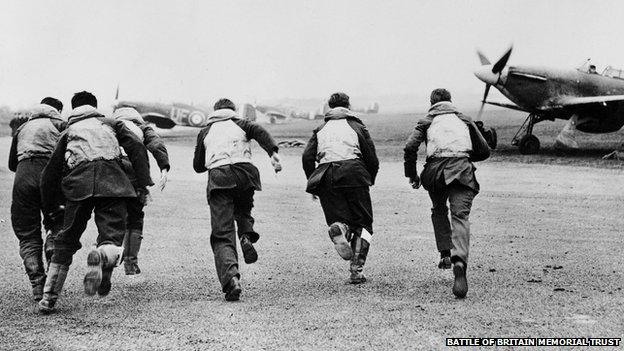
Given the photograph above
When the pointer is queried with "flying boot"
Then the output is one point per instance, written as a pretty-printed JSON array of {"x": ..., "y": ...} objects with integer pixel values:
[
  {"x": 48, "y": 246},
  {"x": 460, "y": 285},
  {"x": 360, "y": 244},
  {"x": 53, "y": 223},
  {"x": 249, "y": 251},
  {"x": 233, "y": 290},
  {"x": 36, "y": 274},
  {"x": 338, "y": 233},
  {"x": 445, "y": 260},
  {"x": 101, "y": 261},
  {"x": 53, "y": 286},
  {"x": 132, "y": 245}
]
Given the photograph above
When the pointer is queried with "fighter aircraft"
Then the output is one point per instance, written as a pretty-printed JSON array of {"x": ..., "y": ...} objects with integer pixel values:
[
  {"x": 167, "y": 115},
  {"x": 591, "y": 102}
]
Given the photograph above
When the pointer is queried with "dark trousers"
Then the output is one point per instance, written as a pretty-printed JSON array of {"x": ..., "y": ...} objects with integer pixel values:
[
  {"x": 453, "y": 235},
  {"x": 110, "y": 219},
  {"x": 26, "y": 216},
  {"x": 135, "y": 214},
  {"x": 351, "y": 206},
  {"x": 229, "y": 206}
]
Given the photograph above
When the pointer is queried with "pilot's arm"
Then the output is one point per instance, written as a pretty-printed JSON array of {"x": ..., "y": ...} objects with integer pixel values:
[
  {"x": 410, "y": 152},
  {"x": 13, "y": 161},
  {"x": 308, "y": 158},
  {"x": 199, "y": 159},
  {"x": 265, "y": 140}
]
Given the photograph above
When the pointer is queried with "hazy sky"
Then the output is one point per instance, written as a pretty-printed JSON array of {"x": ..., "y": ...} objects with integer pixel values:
[{"x": 200, "y": 50}]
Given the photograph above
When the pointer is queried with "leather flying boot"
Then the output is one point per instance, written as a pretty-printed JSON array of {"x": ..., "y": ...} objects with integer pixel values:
[
  {"x": 111, "y": 256},
  {"x": 48, "y": 246},
  {"x": 132, "y": 245},
  {"x": 233, "y": 290},
  {"x": 460, "y": 286},
  {"x": 249, "y": 252},
  {"x": 36, "y": 274},
  {"x": 100, "y": 263},
  {"x": 53, "y": 286},
  {"x": 93, "y": 278},
  {"x": 445, "y": 262},
  {"x": 360, "y": 246},
  {"x": 338, "y": 235}
]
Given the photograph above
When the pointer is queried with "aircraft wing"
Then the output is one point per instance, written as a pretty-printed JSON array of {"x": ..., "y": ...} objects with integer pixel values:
[
  {"x": 575, "y": 101},
  {"x": 502, "y": 104}
]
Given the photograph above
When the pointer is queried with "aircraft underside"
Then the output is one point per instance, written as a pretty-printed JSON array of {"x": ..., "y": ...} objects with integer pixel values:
[{"x": 606, "y": 122}]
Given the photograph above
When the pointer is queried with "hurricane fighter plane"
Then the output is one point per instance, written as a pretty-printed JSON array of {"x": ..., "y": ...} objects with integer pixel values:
[
  {"x": 592, "y": 102},
  {"x": 167, "y": 116}
]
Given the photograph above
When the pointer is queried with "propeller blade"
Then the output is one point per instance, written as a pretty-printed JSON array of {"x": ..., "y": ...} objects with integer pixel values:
[
  {"x": 484, "y": 60},
  {"x": 117, "y": 93},
  {"x": 487, "y": 91},
  {"x": 480, "y": 111},
  {"x": 500, "y": 64}
]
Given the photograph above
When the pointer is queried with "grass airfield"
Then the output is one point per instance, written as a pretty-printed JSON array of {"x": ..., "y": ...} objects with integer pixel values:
[{"x": 546, "y": 232}]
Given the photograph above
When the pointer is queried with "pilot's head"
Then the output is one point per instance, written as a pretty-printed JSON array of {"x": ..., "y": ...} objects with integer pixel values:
[
  {"x": 592, "y": 69},
  {"x": 224, "y": 104},
  {"x": 55, "y": 103},
  {"x": 83, "y": 98},
  {"x": 339, "y": 100},
  {"x": 439, "y": 95}
]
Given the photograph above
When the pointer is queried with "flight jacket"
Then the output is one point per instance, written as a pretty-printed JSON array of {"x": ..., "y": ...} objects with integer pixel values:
[
  {"x": 345, "y": 156},
  {"x": 441, "y": 171},
  {"x": 87, "y": 160},
  {"x": 152, "y": 141},
  {"x": 223, "y": 150},
  {"x": 37, "y": 137}
]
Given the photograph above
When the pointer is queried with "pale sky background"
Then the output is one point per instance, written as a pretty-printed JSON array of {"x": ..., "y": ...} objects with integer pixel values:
[{"x": 197, "y": 51}]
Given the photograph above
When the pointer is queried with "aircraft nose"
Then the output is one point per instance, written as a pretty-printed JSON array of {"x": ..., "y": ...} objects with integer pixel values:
[{"x": 484, "y": 73}]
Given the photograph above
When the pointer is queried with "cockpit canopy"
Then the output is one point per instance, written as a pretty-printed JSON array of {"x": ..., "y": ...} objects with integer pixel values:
[
  {"x": 609, "y": 71},
  {"x": 613, "y": 72}
]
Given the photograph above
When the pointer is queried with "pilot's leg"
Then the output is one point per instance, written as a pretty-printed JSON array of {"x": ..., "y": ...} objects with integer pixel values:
[
  {"x": 441, "y": 226},
  {"x": 460, "y": 199},
  {"x": 110, "y": 218},
  {"x": 361, "y": 225},
  {"x": 223, "y": 241},
  {"x": 243, "y": 203},
  {"x": 133, "y": 237},
  {"x": 26, "y": 222},
  {"x": 66, "y": 243},
  {"x": 337, "y": 215}
]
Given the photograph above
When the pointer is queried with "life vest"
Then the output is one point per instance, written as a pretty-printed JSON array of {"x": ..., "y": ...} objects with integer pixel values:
[
  {"x": 448, "y": 136},
  {"x": 337, "y": 141},
  {"x": 38, "y": 136},
  {"x": 226, "y": 143},
  {"x": 89, "y": 140}
]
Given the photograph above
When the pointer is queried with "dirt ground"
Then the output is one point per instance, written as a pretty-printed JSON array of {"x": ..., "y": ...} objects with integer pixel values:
[{"x": 544, "y": 263}]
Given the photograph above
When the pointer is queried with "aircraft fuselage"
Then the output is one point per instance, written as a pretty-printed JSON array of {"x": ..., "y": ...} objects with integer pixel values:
[
  {"x": 169, "y": 115},
  {"x": 538, "y": 90}
]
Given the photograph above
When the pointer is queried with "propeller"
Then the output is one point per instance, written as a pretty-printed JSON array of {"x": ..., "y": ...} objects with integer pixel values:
[
  {"x": 484, "y": 60},
  {"x": 500, "y": 64},
  {"x": 497, "y": 68},
  {"x": 117, "y": 93},
  {"x": 485, "y": 94}
]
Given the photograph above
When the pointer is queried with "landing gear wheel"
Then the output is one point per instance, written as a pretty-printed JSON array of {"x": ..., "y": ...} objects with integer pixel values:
[{"x": 529, "y": 145}]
